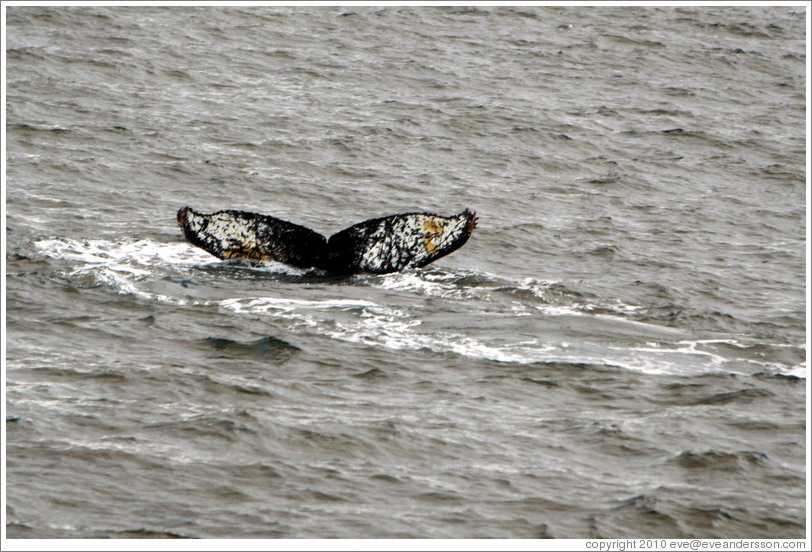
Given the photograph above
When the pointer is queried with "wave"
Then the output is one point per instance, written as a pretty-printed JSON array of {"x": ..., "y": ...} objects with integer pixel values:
[{"x": 472, "y": 314}]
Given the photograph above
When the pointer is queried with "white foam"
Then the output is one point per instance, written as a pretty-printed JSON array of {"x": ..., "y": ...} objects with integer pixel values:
[
  {"x": 139, "y": 252},
  {"x": 431, "y": 285},
  {"x": 559, "y": 310},
  {"x": 283, "y": 305},
  {"x": 127, "y": 265},
  {"x": 799, "y": 371},
  {"x": 121, "y": 265}
]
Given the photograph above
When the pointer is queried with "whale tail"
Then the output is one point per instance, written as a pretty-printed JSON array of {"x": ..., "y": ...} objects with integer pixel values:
[
  {"x": 380, "y": 245},
  {"x": 241, "y": 235}
]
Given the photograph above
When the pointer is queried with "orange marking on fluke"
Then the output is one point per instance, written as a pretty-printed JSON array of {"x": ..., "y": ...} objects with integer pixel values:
[{"x": 433, "y": 227}]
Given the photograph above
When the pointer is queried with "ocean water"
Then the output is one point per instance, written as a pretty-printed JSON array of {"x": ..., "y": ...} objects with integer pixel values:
[{"x": 618, "y": 351}]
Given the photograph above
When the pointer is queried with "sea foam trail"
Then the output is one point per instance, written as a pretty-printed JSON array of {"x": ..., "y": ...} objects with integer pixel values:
[{"x": 129, "y": 267}]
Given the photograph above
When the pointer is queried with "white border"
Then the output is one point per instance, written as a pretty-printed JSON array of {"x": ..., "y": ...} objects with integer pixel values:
[
  {"x": 416, "y": 3},
  {"x": 386, "y": 544}
]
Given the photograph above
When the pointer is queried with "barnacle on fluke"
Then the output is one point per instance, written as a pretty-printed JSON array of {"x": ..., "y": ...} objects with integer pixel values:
[{"x": 379, "y": 245}]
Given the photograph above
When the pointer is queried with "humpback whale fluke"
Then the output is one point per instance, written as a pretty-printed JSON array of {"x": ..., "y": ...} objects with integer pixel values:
[{"x": 379, "y": 245}]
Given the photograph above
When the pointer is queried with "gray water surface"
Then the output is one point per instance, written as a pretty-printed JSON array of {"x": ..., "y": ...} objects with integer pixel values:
[{"x": 618, "y": 351}]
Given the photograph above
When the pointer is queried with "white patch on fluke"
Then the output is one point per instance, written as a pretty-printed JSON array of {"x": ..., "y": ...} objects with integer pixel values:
[
  {"x": 223, "y": 230},
  {"x": 410, "y": 240}
]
